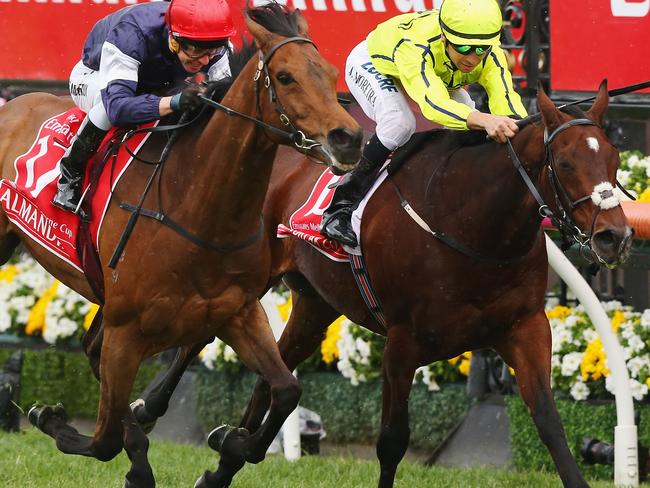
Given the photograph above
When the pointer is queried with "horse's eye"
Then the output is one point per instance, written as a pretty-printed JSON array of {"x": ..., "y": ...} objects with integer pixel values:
[
  {"x": 565, "y": 165},
  {"x": 285, "y": 78}
]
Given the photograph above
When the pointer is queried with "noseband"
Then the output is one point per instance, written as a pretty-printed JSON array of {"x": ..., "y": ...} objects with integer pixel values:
[
  {"x": 297, "y": 137},
  {"x": 602, "y": 196}
]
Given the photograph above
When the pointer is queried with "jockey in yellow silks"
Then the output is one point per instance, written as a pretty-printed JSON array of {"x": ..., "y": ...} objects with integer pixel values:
[{"x": 429, "y": 56}]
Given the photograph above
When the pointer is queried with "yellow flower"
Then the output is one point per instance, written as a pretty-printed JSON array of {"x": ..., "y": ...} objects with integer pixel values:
[
  {"x": 617, "y": 320},
  {"x": 36, "y": 320},
  {"x": 464, "y": 367},
  {"x": 328, "y": 348},
  {"x": 645, "y": 196},
  {"x": 285, "y": 309},
  {"x": 558, "y": 312},
  {"x": 592, "y": 365},
  {"x": 647, "y": 382},
  {"x": 8, "y": 273},
  {"x": 88, "y": 319}
]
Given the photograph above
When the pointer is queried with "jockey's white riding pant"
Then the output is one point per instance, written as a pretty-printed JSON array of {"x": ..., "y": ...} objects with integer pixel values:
[
  {"x": 383, "y": 100},
  {"x": 85, "y": 89}
]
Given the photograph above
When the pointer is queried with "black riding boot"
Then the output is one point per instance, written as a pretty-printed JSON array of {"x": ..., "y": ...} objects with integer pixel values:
[
  {"x": 73, "y": 166},
  {"x": 337, "y": 224}
]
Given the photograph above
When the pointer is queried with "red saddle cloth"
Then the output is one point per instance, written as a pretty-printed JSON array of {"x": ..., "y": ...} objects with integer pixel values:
[
  {"x": 305, "y": 222},
  {"x": 27, "y": 200}
]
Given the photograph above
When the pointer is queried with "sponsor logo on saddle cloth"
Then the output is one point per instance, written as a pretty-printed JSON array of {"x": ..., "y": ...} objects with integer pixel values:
[
  {"x": 27, "y": 199},
  {"x": 305, "y": 222}
]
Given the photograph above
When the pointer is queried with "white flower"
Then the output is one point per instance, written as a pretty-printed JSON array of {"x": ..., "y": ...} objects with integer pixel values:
[
  {"x": 639, "y": 390},
  {"x": 5, "y": 320},
  {"x": 571, "y": 362},
  {"x": 590, "y": 335},
  {"x": 645, "y": 318},
  {"x": 210, "y": 353},
  {"x": 229, "y": 354},
  {"x": 580, "y": 391},
  {"x": 636, "y": 364}
]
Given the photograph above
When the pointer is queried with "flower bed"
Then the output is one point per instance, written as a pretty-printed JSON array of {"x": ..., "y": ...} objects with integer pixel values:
[
  {"x": 33, "y": 304},
  {"x": 634, "y": 174}
]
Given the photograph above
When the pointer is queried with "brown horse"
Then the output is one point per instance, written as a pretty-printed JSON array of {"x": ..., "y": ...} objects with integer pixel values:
[
  {"x": 480, "y": 284},
  {"x": 168, "y": 291}
]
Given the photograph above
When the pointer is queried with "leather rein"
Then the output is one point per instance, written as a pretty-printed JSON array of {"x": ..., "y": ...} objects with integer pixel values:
[
  {"x": 562, "y": 218},
  {"x": 297, "y": 138}
]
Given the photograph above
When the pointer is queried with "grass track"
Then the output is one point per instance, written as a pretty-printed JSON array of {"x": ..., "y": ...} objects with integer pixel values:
[{"x": 30, "y": 460}]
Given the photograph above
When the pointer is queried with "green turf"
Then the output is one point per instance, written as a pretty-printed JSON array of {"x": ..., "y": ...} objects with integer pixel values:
[{"x": 29, "y": 459}]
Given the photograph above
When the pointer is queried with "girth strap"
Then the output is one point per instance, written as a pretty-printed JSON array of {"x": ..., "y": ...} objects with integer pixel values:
[{"x": 179, "y": 229}]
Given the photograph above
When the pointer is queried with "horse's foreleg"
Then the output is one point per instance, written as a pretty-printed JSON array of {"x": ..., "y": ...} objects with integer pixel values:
[
  {"x": 92, "y": 342},
  {"x": 301, "y": 337},
  {"x": 400, "y": 362},
  {"x": 528, "y": 351},
  {"x": 249, "y": 334},
  {"x": 122, "y": 351},
  {"x": 156, "y": 402}
]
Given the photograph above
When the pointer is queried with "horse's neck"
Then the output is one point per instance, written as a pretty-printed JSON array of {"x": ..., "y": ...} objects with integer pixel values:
[
  {"x": 229, "y": 168},
  {"x": 490, "y": 206}
]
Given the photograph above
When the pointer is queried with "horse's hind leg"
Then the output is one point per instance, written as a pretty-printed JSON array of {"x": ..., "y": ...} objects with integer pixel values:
[
  {"x": 528, "y": 351},
  {"x": 250, "y": 336},
  {"x": 8, "y": 244},
  {"x": 156, "y": 402},
  {"x": 301, "y": 337},
  {"x": 400, "y": 362}
]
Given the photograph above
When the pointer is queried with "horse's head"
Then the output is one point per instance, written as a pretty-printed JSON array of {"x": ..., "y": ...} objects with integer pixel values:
[
  {"x": 581, "y": 176},
  {"x": 301, "y": 88}
]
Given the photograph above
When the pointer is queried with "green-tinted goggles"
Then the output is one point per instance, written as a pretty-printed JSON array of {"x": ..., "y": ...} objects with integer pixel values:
[{"x": 467, "y": 50}]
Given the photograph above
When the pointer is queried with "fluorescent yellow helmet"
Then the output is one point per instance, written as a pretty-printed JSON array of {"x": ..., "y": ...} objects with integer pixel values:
[{"x": 473, "y": 22}]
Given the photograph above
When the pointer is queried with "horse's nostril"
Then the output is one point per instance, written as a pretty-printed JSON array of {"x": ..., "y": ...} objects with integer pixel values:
[
  {"x": 344, "y": 137},
  {"x": 605, "y": 239}
]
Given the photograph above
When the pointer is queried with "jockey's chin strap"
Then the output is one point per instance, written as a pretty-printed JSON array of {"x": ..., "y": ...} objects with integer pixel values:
[{"x": 296, "y": 136}]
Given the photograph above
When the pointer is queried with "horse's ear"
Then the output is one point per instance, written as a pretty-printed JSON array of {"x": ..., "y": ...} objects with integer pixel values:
[
  {"x": 550, "y": 113},
  {"x": 260, "y": 34},
  {"x": 598, "y": 109},
  {"x": 303, "y": 28}
]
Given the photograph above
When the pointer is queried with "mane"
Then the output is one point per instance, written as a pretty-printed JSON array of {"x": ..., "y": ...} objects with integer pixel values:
[{"x": 276, "y": 18}]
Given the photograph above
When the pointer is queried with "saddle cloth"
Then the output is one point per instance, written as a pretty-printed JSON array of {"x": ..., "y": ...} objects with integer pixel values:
[
  {"x": 305, "y": 222},
  {"x": 27, "y": 199}
]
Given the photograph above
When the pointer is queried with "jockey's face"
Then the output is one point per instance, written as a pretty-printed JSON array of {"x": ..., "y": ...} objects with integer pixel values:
[
  {"x": 194, "y": 58},
  {"x": 464, "y": 62}
]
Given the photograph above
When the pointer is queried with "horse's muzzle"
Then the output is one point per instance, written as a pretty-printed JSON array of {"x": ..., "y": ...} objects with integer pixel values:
[
  {"x": 345, "y": 146},
  {"x": 612, "y": 245}
]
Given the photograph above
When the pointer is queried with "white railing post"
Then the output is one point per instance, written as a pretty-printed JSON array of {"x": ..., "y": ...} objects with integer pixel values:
[
  {"x": 626, "y": 457},
  {"x": 291, "y": 427}
]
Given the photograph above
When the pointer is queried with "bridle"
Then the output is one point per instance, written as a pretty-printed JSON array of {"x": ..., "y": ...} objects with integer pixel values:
[
  {"x": 296, "y": 136},
  {"x": 602, "y": 196}
]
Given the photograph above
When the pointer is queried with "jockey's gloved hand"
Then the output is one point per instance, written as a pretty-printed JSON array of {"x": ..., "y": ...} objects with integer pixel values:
[{"x": 188, "y": 99}]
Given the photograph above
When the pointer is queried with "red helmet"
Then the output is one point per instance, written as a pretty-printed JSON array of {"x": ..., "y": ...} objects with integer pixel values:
[{"x": 200, "y": 20}]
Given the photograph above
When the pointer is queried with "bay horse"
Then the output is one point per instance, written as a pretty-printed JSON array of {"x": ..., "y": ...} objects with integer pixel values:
[
  {"x": 480, "y": 284},
  {"x": 168, "y": 290}
]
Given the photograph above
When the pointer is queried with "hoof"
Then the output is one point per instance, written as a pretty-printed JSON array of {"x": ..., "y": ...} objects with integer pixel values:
[
  {"x": 39, "y": 415},
  {"x": 145, "y": 419},
  {"x": 202, "y": 481},
  {"x": 223, "y": 434},
  {"x": 211, "y": 480}
]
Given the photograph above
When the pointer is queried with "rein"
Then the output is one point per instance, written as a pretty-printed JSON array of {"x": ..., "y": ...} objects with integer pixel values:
[
  {"x": 297, "y": 137},
  {"x": 602, "y": 197}
]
